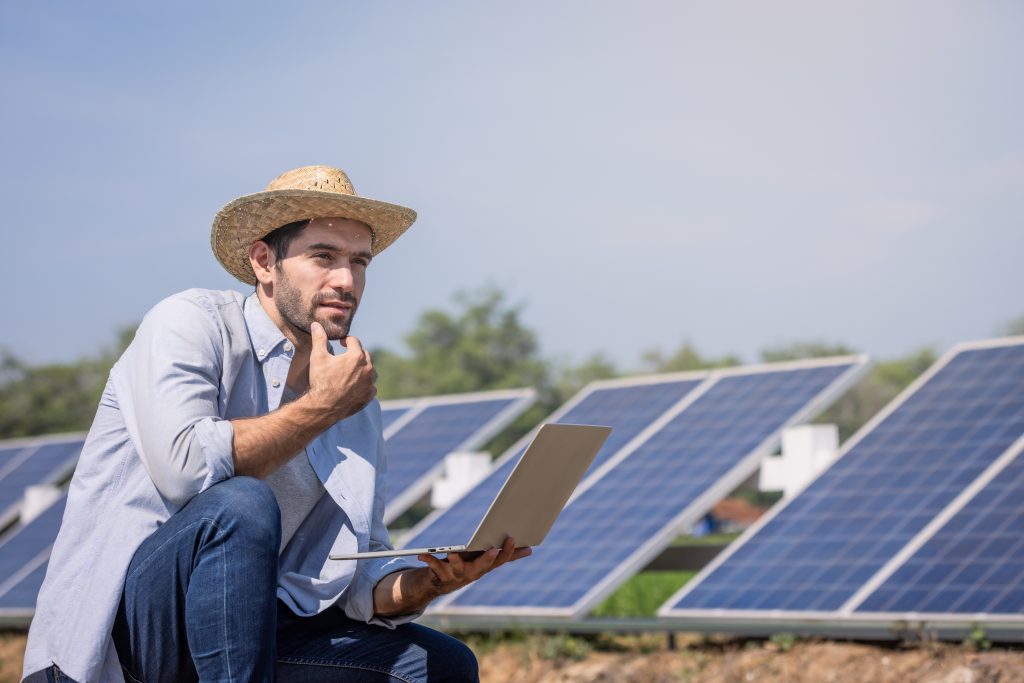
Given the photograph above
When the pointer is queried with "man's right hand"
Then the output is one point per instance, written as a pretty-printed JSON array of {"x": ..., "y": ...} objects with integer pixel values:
[{"x": 342, "y": 384}]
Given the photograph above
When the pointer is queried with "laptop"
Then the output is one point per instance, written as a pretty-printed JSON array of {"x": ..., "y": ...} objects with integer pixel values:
[{"x": 532, "y": 496}]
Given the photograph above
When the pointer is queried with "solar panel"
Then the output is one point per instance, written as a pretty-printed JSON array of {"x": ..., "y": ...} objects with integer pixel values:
[
  {"x": 390, "y": 415},
  {"x": 629, "y": 405},
  {"x": 628, "y": 513},
  {"x": 25, "y": 463},
  {"x": 435, "y": 426},
  {"x": 21, "y": 597},
  {"x": 23, "y": 551},
  {"x": 972, "y": 563},
  {"x": 812, "y": 553}
]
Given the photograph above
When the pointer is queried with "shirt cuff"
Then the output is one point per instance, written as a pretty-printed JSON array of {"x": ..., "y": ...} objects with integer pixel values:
[
  {"x": 359, "y": 605},
  {"x": 216, "y": 437}
]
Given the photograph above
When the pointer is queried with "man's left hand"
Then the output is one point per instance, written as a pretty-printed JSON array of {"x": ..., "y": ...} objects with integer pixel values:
[
  {"x": 411, "y": 590},
  {"x": 454, "y": 572}
]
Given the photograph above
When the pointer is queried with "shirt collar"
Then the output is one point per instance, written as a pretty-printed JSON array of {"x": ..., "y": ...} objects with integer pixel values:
[{"x": 263, "y": 333}]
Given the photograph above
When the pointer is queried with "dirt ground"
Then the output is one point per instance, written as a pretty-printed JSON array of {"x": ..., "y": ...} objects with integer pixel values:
[
  {"x": 699, "y": 661},
  {"x": 566, "y": 659}
]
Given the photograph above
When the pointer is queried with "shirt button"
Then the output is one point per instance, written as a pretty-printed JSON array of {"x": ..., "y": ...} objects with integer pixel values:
[
  {"x": 261, "y": 353},
  {"x": 288, "y": 347},
  {"x": 275, "y": 383}
]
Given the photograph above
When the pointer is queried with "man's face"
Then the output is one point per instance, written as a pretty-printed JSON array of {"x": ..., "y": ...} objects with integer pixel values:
[{"x": 323, "y": 276}]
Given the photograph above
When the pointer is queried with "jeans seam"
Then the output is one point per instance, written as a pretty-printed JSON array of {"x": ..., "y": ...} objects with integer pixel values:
[
  {"x": 148, "y": 560},
  {"x": 316, "y": 661},
  {"x": 224, "y": 609}
]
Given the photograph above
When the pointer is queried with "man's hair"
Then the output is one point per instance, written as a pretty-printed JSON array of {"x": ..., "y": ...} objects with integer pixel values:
[{"x": 280, "y": 239}]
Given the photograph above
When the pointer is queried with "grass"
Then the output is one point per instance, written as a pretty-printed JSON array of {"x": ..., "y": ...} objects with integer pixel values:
[{"x": 643, "y": 594}]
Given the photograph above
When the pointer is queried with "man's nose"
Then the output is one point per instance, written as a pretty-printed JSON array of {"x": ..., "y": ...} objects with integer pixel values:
[{"x": 341, "y": 278}]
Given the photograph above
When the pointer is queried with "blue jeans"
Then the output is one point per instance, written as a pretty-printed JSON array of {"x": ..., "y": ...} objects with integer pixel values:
[{"x": 200, "y": 603}]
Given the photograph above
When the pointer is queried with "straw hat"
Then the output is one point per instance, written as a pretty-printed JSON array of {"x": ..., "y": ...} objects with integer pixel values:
[{"x": 304, "y": 193}]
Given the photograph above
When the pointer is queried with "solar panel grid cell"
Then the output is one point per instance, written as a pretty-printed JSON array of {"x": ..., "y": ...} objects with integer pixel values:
[
  {"x": 603, "y": 528},
  {"x": 822, "y": 547},
  {"x": 973, "y": 564},
  {"x": 628, "y": 409},
  {"x": 22, "y": 595}
]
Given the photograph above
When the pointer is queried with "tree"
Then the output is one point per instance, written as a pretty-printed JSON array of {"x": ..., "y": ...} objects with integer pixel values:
[
  {"x": 1013, "y": 328},
  {"x": 686, "y": 357},
  {"x": 60, "y": 397},
  {"x": 801, "y": 350},
  {"x": 483, "y": 345}
]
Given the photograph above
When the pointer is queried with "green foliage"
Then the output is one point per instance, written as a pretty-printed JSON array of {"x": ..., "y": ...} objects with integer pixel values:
[
  {"x": 643, "y": 594},
  {"x": 686, "y": 357},
  {"x": 801, "y": 350},
  {"x": 1013, "y": 328},
  {"x": 560, "y": 647},
  {"x": 977, "y": 639},
  {"x": 757, "y": 497},
  {"x": 783, "y": 641},
  {"x": 481, "y": 346},
  {"x": 47, "y": 399},
  {"x": 708, "y": 539},
  {"x": 571, "y": 378}
]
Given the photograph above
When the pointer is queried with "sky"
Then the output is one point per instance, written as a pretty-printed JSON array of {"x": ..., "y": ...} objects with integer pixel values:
[{"x": 740, "y": 175}]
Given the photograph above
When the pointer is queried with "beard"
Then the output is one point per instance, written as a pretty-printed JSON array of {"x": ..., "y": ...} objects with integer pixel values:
[{"x": 300, "y": 315}]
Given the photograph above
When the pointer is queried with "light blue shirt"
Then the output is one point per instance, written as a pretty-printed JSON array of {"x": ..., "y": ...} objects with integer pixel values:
[{"x": 161, "y": 435}]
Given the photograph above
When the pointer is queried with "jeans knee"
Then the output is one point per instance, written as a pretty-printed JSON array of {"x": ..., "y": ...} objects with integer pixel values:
[
  {"x": 460, "y": 662},
  {"x": 249, "y": 506}
]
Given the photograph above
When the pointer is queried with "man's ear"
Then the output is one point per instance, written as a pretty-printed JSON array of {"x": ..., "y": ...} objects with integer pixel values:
[{"x": 261, "y": 257}]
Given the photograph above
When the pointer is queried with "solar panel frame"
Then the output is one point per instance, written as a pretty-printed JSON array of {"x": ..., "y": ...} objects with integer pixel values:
[
  {"x": 690, "y": 513},
  {"x": 521, "y": 399},
  {"x": 579, "y": 397},
  {"x": 26, "y": 448},
  {"x": 731, "y": 616}
]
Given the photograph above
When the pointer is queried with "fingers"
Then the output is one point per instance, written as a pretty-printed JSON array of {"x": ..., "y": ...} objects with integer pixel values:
[
  {"x": 353, "y": 345},
  {"x": 442, "y": 570},
  {"x": 319, "y": 335},
  {"x": 508, "y": 549},
  {"x": 457, "y": 564},
  {"x": 520, "y": 553}
]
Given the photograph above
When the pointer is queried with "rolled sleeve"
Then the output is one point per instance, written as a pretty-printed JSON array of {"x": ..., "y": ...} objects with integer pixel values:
[
  {"x": 216, "y": 440},
  {"x": 359, "y": 605},
  {"x": 168, "y": 384}
]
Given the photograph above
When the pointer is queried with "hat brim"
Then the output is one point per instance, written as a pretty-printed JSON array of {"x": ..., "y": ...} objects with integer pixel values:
[{"x": 251, "y": 217}]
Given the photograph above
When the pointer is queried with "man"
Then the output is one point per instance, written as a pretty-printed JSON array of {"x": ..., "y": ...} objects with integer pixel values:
[{"x": 231, "y": 453}]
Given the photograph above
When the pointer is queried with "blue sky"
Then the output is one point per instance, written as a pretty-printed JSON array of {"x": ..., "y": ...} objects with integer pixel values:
[{"x": 635, "y": 174}]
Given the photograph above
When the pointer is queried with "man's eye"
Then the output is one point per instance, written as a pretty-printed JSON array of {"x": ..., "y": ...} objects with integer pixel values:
[
  {"x": 360, "y": 262},
  {"x": 323, "y": 255}
]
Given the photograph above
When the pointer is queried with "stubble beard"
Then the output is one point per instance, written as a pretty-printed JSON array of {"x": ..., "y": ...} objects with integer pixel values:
[{"x": 300, "y": 316}]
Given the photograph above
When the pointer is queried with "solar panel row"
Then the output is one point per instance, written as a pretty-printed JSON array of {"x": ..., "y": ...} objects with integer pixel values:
[
  {"x": 922, "y": 514},
  {"x": 643, "y": 495},
  {"x": 887, "y": 528}
]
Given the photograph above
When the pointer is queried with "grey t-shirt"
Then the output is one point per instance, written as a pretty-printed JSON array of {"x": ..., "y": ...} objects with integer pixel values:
[{"x": 295, "y": 485}]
